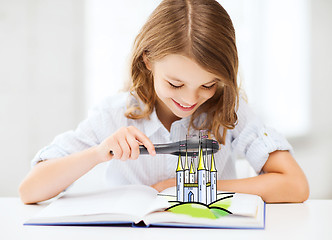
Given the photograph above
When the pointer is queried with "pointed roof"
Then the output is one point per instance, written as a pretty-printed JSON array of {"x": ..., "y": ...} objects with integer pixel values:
[
  {"x": 213, "y": 166},
  {"x": 201, "y": 161},
  {"x": 192, "y": 168},
  {"x": 179, "y": 164}
]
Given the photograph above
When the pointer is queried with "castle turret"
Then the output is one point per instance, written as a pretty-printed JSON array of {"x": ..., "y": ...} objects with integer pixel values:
[
  {"x": 201, "y": 178},
  {"x": 179, "y": 180},
  {"x": 213, "y": 178}
]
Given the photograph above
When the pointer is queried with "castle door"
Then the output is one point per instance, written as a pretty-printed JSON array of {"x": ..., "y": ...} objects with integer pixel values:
[{"x": 190, "y": 197}]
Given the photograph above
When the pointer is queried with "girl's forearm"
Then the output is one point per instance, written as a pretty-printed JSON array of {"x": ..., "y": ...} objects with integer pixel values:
[
  {"x": 272, "y": 187},
  {"x": 49, "y": 178}
]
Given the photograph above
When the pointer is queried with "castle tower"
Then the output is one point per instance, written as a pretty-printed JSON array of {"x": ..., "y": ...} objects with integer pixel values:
[
  {"x": 186, "y": 170},
  {"x": 201, "y": 178},
  {"x": 179, "y": 180},
  {"x": 213, "y": 178}
]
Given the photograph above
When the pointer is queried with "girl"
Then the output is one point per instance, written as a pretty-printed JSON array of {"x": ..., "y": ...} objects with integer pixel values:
[{"x": 183, "y": 78}]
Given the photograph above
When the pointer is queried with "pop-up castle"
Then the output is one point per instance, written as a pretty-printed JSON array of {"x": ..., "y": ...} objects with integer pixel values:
[{"x": 204, "y": 188}]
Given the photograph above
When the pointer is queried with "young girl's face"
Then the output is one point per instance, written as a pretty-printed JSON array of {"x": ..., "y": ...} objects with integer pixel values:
[{"x": 181, "y": 85}]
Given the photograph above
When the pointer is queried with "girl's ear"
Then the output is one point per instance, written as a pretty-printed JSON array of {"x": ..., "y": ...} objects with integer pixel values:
[{"x": 147, "y": 62}]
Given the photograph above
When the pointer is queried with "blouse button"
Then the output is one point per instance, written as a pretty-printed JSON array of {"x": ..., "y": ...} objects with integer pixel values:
[{"x": 265, "y": 134}]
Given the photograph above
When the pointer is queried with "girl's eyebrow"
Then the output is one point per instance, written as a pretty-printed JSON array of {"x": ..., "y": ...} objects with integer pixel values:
[
  {"x": 214, "y": 80},
  {"x": 178, "y": 80}
]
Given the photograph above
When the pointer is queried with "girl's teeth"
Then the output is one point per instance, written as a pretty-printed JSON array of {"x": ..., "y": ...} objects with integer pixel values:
[{"x": 184, "y": 106}]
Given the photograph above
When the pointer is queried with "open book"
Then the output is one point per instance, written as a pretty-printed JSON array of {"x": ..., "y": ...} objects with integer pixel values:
[{"x": 138, "y": 205}]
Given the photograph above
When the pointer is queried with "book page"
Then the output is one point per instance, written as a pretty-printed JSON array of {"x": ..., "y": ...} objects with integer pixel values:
[
  {"x": 242, "y": 204},
  {"x": 245, "y": 204},
  {"x": 246, "y": 210},
  {"x": 248, "y": 213},
  {"x": 230, "y": 221},
  {"x": 133, "y": 200}
]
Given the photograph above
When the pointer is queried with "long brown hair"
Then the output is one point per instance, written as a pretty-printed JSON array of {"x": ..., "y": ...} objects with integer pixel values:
[{"x": 203, "y": 31}]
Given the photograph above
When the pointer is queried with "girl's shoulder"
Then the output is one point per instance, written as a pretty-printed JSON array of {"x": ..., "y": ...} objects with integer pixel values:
[
  {"x": 244, "y": 111},
  {"x": 114, "y": 103},
  {"x": 111, "y": 108},
  {"x": 115, "y": 106}
]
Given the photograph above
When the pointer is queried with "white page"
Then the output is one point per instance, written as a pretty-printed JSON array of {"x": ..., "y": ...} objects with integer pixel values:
[
  {"x": 245, "y": 204},
  {"x": 130, "y": 200},
  {"x": 242, "y": 204}
]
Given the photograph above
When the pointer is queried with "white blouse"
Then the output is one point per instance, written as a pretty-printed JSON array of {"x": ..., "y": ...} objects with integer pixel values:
[{"x": 250, "y": 139}]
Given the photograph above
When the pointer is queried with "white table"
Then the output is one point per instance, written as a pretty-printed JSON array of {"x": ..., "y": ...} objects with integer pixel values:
[{"x": 310, "y": 220}]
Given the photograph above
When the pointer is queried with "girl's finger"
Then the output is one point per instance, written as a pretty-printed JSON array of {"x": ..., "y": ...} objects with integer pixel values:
[
  {"x": 125, "y": 149},
  {"x": 134, "y": 146},
  {"x": 141, "y": 137}
]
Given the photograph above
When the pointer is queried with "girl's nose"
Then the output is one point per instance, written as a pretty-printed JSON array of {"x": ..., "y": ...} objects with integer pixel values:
[{"x": 190, "y": 98}]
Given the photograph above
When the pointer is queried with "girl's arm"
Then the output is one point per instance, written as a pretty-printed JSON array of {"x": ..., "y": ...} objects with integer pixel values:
[
  {"x": 282, "y": 181},
  {"x": 49, "y": 178}
]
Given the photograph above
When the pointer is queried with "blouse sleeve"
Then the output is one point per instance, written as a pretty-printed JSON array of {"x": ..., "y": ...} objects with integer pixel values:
[
  {"x": 99, "y": 125},
  {"x": 252, "y": 140}
]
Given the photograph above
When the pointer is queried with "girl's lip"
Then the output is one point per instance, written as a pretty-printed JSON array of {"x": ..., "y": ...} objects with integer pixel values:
[{"x": 184, "y": 108}]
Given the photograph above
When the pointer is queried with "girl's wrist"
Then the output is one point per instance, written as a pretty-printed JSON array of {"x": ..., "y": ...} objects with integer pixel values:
[{"x": 100, "y": 155}]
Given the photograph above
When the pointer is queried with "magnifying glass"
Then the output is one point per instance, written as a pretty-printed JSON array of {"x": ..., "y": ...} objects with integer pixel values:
[{"x": 189, "y": 147}]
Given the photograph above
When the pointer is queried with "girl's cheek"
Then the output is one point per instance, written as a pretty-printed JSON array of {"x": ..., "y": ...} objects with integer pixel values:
[
  {"x": 207, "y": 95},
  {"x": 170, "y": 92},
  {"x": 165, "y": 92}
]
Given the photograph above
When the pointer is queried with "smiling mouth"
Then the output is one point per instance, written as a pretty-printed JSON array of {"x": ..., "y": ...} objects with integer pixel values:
[{"x": 184, "y": 107}]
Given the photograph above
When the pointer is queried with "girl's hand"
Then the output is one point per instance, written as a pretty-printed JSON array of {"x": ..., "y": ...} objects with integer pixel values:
[
  {"x": 161, "y": 186},
  {"x": 124, "y": 144}
]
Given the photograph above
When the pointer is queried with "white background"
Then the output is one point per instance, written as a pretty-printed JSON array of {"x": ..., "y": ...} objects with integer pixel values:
[{"x": 58, "y": 58}]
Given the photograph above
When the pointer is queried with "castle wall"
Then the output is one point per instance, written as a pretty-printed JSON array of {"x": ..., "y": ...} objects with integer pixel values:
[
  {"x": 202, "y": 186},
  {"x": 213, "y": 186},
  {"x": 179, "y": 185}
]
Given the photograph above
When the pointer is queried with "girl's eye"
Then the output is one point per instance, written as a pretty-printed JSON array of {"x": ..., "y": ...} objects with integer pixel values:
[
  {"x": 179, "y": 86},
  {"x": 174, "y": 86},
  {"x": 209, "y": 87}
]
